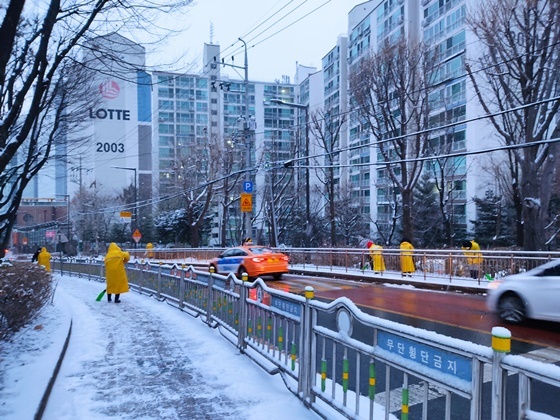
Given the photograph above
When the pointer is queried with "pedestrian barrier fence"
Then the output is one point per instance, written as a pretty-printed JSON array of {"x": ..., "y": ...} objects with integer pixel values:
[
  {"x": 451, "y": 264},
  {"x": 342, "y": 362}
]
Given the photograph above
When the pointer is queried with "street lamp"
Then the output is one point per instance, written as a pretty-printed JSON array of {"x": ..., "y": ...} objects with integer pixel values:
[
  {"x": 307, "y": 190},
  {"x": 134, "y": 225}
]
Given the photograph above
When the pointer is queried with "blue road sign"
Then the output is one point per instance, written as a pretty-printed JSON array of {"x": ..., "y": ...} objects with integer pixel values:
[
  {"x": 247, "y": 186},
  {"x": 432, "y": 357}
]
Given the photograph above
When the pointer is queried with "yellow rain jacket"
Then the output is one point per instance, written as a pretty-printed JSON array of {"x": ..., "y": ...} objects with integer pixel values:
[
  {"x": 473, "y": 254},
  {"x": 44, "y": 259},
  {"x": 407, "y": 263},
  {"x": 115, "y": 273},
  {"x": 377, "y": 257}
]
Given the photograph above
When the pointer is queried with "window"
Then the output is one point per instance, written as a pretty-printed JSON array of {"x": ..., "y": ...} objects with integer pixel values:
[
  {"x": 166, "y": 129},
  {"x": 165, "y": 105},
  {"x": 165, "y": 92}
]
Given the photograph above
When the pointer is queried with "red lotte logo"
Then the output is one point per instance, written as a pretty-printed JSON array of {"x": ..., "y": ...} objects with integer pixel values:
[{"x": 109, "y": 89}]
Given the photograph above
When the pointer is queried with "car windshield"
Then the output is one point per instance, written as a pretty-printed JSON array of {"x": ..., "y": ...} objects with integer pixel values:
[{"x": 261, "y": 250}]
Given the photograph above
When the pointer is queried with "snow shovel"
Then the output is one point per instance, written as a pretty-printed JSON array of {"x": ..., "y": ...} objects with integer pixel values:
[{"x": 100, "y": 296}]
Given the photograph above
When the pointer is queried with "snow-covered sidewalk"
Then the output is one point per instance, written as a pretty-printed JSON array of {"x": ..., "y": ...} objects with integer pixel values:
[{"x": 140, "y": 359}]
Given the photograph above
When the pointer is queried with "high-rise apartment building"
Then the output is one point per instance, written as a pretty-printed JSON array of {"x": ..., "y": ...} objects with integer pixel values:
[{"x": 182, "y": 132}]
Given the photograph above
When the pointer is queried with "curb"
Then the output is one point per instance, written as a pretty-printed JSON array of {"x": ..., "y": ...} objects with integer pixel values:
[{"x": 46, "y": 395}]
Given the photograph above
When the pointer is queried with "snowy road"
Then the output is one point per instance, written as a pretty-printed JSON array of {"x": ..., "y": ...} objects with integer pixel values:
[{"x": 143, "y": 359}]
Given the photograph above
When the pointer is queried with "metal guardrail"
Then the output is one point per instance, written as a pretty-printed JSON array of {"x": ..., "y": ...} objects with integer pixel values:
[
  {"x": 445, "y": 264},
  {"x": 341, "y": 361}
]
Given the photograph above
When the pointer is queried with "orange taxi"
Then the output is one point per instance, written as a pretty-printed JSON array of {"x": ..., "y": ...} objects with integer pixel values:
[{"x": 255, "y": 260}]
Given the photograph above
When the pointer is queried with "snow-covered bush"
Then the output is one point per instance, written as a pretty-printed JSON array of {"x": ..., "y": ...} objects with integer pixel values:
[{"x": 24, "y": 289}]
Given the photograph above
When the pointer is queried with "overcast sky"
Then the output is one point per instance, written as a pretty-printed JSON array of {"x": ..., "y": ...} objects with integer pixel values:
[{"x": 307, "y": 32}]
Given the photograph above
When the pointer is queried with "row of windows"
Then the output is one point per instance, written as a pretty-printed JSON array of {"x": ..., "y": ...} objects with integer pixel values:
[
  {"x": 179, "y": 93},
  {"x": 448, "y": 95},
  {"x": 447, "y": 117},
  {"x": 450, "y": 70},
  {"x": 395, "y": 20},
  {"x": 185, "y": 106},
  {"x": 450, "y": 46},
  {"x": 450, "y": 24},
  {"x": 387, "y": 8},
  {"x": 277, "y": 91},
  {"x": 439, "y": 8},
  {"x": 183, "y": 129},
  {"x": 182, "y": 81}
]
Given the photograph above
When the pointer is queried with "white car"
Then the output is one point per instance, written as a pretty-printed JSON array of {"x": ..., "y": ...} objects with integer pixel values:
[{"x": 534, "y": 294}]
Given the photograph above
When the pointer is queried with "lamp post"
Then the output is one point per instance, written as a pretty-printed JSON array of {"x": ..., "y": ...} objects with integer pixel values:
[
  {"x": 307, "y": 188},
  {"x": 133, "y": 225}
]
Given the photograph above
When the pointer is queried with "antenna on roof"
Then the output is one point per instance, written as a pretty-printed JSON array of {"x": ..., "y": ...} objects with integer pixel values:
[{"x": 211, "y": 32}]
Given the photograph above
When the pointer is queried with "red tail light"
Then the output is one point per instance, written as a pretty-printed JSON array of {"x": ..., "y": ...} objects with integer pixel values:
[{"x": 258, "y": 259}]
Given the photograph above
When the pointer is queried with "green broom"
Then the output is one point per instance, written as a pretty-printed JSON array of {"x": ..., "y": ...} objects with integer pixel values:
[{"x": 100, "y": 296}]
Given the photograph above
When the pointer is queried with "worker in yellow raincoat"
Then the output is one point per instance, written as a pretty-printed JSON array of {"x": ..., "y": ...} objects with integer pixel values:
[
  {"x": 44, "y": 259},
  {"x": 376, "y": 254},
  {"x": 471, "y": 249},
  {"x": 115, "y": 273},
  {"x": 150, "y": 250},
  {"x": 407, "y": 261}
]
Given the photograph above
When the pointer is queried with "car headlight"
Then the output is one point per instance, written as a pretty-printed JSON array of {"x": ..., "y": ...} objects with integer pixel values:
[{"x": 494, "y": 284}]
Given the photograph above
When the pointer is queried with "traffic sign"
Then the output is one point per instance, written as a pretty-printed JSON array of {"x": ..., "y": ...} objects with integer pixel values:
[
  {"x": 247, "y": 186},
  {"x": 126, "y": 216},
  {"x": 137, "y": 236},
  {"x": 246, "y": 202}
]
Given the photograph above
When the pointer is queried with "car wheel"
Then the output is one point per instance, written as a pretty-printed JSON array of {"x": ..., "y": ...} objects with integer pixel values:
[
  {"x": 277, "y": 276},
  {"x": 240, "y": 272},
  {"x": 511, "y": 308}
]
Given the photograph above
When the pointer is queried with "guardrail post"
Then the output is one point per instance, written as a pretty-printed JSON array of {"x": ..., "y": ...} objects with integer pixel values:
[
  {"x": 501, "y": 344},
  {"x": 306, "y": 355},
  {"x": 159, "y": 281},
  {"x": 142, "y": 267},
  {"x": 242, "y": 331},
  {"x": 182, "y": 287},
  {"x": 210, "y": 306}
]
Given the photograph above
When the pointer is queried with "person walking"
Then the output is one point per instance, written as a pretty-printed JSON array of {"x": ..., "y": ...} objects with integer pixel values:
[
  {"x": 377, "y": 260},
  {"x": 36, "y": 255},
  {"x": 407, "y": 260},
  {"x": 115, "y": 273},
  {"x": 471, "y": 249},
  {"x": 44, "y": 259}
]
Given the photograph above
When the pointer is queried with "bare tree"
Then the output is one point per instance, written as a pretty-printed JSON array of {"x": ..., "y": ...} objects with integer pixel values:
[
  {"x": 349, "y": 220},
  {"x": 390, "y": 91},
  {"x": 519, "y": 90},
  {"x": 40, "y": 49},
  {"x": 92, "y": 208},
  {"x": 325, "y": 128},
  {"x": 225, "y": 193},
  {"x": 195, "y": 170}
]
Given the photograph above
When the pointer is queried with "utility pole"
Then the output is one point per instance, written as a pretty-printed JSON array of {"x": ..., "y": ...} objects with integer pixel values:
[
  {"x": 247, "y": 136},
  {"x": 246, "y": 125}
]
